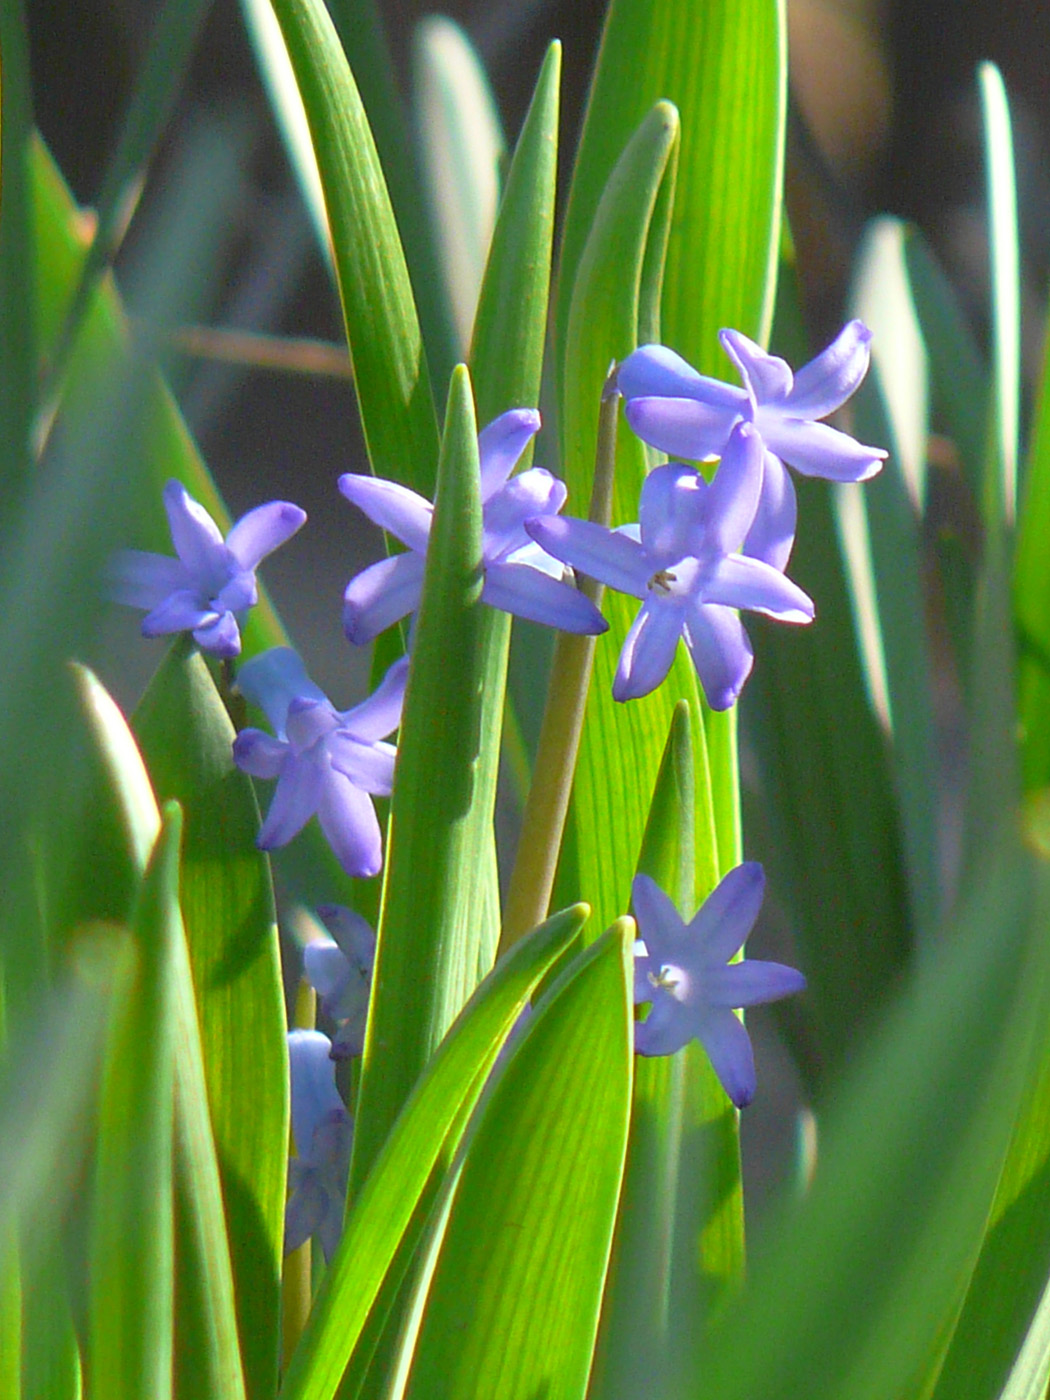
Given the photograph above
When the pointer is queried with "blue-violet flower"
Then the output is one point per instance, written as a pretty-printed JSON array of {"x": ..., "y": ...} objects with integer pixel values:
[
  {"x": 340, "y": 971},
  {"x": 684, "y": 971},
  {"x": 323, "y": 1133},
  {"x": 519, "y": 577},
  {"x": 325, "y": 760},
  {"x": 680, "y": 561},
  {"x": 687, "y": 414},
  {"x": 211, "y": 583}
]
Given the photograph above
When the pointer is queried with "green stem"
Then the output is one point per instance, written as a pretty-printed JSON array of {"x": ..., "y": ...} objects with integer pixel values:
[{"x": 297, "y": 1277}]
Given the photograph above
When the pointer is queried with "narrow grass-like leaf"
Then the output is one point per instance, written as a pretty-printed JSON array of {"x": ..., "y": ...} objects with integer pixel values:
[
  {"x": 386, "y": 346},
  {"x": 853, "y": 1295},
  {"x": 513, "y": 1292},
  {"x": 461, "y": 150},
  {"x": 131, "y": 1253},
  {"x": 227, "y": 901},
  {"x": 424, "y": 1139},
  {"x": 428, "y": 950}
]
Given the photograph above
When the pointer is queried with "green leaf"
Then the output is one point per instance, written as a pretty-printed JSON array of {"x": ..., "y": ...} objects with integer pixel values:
[
  {"x": 429, "y": 938},
  {"x": 390, "y": 368},
  {"x": 422, "y": 1143},
  {"x": 131, "y": 1252},
  {"x": 461, "y": 149},
  {"x": 227, "y": 901},
  {"x": 510, "y": 1295}
]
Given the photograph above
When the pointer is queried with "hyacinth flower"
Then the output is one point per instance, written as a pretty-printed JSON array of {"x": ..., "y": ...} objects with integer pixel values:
[
  {"x": 680, "y": 562},
  {"x": 519, "y": 577},
  {"x": 323, "y": 1134},
  {"x": 340, "y": 971},
  {"x": 684, "y": 971},
  {"x": 326, "y": 761},
  {"x": 686, "y": 414},
  {"x": 211, "y": 584}
]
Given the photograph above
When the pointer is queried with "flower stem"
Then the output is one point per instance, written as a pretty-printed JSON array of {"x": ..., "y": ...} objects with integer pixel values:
[
  {"x": 297, "y": 1276},
  {"x": 543, "y": 822}
]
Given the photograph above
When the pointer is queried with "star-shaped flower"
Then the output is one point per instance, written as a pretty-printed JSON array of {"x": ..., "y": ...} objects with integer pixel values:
[
  {"x": 211, "y": 583},
  {"x": 323, "y": 1134},
  {"x": 680, "y": 561},
  {"x": 686, "y": 414},
  {"x": 519, "y": 577},
  {"x": 340, "y": 971},
  {"x": 684, "y": 971},
  {"x": 325, "y": 760}
]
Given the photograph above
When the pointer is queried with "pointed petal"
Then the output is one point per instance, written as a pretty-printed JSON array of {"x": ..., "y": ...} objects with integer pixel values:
[
  {"x": 393, "y": 507},
  {"x": 671, "y": 510},
  {"x": 660, "y": 925},
  {"x": 530, "y": 593},
  {"x": 740, "y": 582},
  {"x": 353, "y": 934},
  {"x": 751, "y": 983},
  {"x": 222, "y": 637},
  {"x": 314, "y": 1093},
  {"x": 303, "y": 1212},
  {"x": 720, "y": 927},
  {"x": 536, "y": 558},
  {"x": 381, "y": 595},
  {"x": 666, "y": 1029},
  {"x": 239, "y": 593},
  {"x": 350, "y": 825},
  {"x": 331, "y": 1226},
  {"x": 143, "y": 580},
  {"x": 682, "y": 427},
  {"x": 500, "y": 445},
  {"x": 767, "y": 377},
  {"x": 263, "y": 530},
  {"x": 814, "y": 449},
  {"x": 327, "y": 968},
  {"x": 380, "y": 714},
  {"x": 606, "y": 555},
  {"x": 532, "y": 493},
  {"x": 195, "y": 535},
  {"x": 728, "y": 1047},
  {"x": 179, "y": 612},
  {"x": 309, "y": 720},
  {"x": 648, "y": 649},
  {"x": 732, "y": 497},
  {"x": 273, "y": 680},
  {"x": 294, "y": 802},
  {"x": 368, "y": 766},
  {"x": 259, "y": 754},
  {"x": 828, "y": 380},
  {"x": 654, "y": 371},
  {"x": 721, "y": 652},
  {"x": 772, "y": 533}
]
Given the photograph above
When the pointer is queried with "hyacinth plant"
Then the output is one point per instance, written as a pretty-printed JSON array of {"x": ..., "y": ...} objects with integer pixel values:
[{"x": 366, "y": 1106}]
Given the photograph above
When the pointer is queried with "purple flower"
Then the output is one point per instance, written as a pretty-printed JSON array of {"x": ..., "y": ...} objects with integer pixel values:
[
  {"x": 680, "y": 562},
  {"x": 211, "y": 583},
  {"x": 686, "y": 414},
  {"x": 324, "y": 760},
  {"x": 519, "y": 577},
  {"x": 340, "y": 972},
  {"x": 684, "y": 971},
  {"x": 323, "y": 1134}
]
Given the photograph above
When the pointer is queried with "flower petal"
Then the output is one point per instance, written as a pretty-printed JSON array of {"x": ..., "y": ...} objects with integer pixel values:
[
  {"x": 380, "y": 714},
  {"x": 354, "y": 935},
  {"x": 308, "y": 721},
  {"x": 682, "y": 427},
  {"x": 751, "y": 983},
  {"x": 738, "y": 581},
  {"x": 814, "y": 449},
  {"x": 828, "y": 380},
  {"x": 530, "y": 593},
  {"x": 179, "y": 612},
  {"x": 772, "y": 533},
  {"x": 720, "y": 927},
  {"x": 273, "y": 680},
  {"x": 532, "y": 493},
  {"x": 259, "y": 754},
  {"x": 327, "y": 968},
  {"x": 304, "y": 1211},
  {"x": 767, "y": 377},
  {"x": 654, "y": 371},
  {"x": 368, "y": 766},
  {"x": 671, "y": 510},
  {"x": 728, "y": 1047},
  {"x": 263, "y": 530},
  {"x": 648, "y": 649},
  {"x": 660, "y": 925},
  {"x": 733, "y": 495},
  {"x": 314, "y": 1093},
  {"x": 666, "y": 1029},
  {"x": 720, "y": 650},
  {"x": 500, "y": 445},
  {"x": 381, "y": 595},
  {"x": 393, "y": 507},
  {"x": 239, "y": 593},
  {"x": 221, "y": 636},
  {"x": 606, "y": 555},
  {"x": 196, "y": 537},
  {"x": 294, "y": 802},
  {"x": 143, "y": 580},
  {"x": 350, "y": 825}
]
